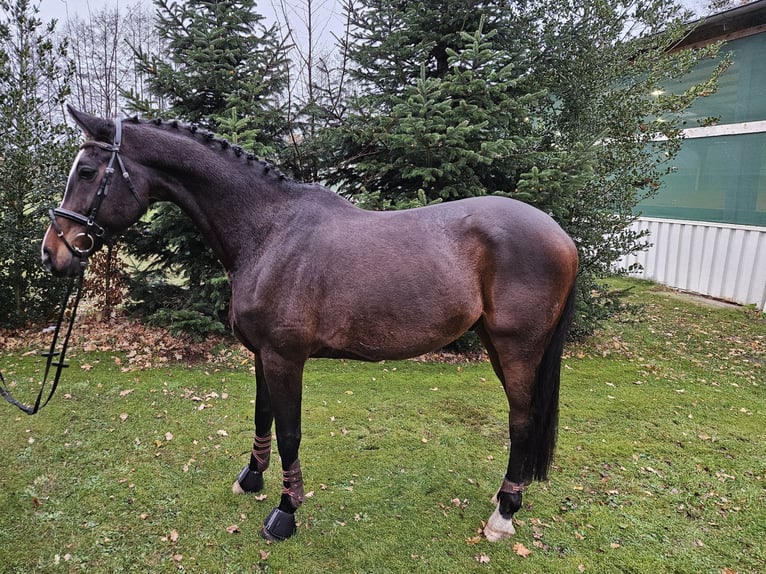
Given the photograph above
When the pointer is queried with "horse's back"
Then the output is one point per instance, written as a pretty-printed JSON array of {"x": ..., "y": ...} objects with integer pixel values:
[{"x": 514, "y": 237}]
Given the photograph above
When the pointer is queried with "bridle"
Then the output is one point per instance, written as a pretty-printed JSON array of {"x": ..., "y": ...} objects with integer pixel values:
[{"x": 93, "y": 232}]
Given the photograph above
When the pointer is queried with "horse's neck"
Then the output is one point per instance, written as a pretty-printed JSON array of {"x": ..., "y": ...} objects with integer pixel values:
[{"x": 234, "y": 202}]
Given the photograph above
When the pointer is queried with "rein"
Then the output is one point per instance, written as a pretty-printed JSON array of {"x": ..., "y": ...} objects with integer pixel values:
[{"x": 54, "y": 358}]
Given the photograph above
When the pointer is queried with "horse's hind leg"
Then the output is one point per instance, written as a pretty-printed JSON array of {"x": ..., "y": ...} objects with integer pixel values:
[
  {"x": 517, "y": 375},
  {"x": 516, "y": 364},
  {"x": 251, "y": 478}
]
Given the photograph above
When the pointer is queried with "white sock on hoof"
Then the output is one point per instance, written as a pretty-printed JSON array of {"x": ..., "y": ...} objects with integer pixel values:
[
  {"x": 236, "y": 488},
  {"x": 498, "y": 527}
]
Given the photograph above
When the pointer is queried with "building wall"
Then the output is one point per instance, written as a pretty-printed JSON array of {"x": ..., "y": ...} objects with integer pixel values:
[
  {"x": 707, "y": 225},
  {"x": 724, "y": 261}
]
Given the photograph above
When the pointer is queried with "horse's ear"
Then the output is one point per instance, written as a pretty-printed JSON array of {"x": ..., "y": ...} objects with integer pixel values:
[{"x": 93, "y": 127}]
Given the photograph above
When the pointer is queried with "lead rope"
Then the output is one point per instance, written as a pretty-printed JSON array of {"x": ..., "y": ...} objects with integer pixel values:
[{"x": 54, "y": 359}]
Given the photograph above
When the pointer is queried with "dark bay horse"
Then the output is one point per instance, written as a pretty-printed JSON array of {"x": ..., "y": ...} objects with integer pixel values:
[{"x": 314, "y": 276}]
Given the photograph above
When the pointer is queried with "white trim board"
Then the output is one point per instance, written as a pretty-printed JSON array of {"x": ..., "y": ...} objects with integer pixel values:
[{"x": 756, "y": 127}]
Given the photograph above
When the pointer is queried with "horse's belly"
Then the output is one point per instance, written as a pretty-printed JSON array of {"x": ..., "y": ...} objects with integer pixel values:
[
  {"x": 386, "y": 330},
  {"x": 382, "y": 349}
]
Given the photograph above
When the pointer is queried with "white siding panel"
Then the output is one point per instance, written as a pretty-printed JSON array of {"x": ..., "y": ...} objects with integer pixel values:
[{"x": 719, "y": 260}]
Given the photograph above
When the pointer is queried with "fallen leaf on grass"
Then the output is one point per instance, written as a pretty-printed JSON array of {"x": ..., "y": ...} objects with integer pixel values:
[
  {"x": 173, "y": 535},
  {"x": 482, "y": 559},
  {"x": 473, "y": 541},
  {"x": 264, "y": 554},
  {"x": 125, "y": 392},
  {"x": 123, "y": 417},
  {"x": 233, "y": 529},
  {"x": 521, "y": 550}
]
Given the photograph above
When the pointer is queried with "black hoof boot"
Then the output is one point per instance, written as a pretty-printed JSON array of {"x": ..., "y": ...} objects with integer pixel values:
[
  {"x": 279, "y": 525},
  {"x": 248, "y": 481}
]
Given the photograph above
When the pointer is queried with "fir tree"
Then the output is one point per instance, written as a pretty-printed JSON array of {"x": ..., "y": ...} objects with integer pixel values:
[
  {"x": 448, "y": 135},
  {"x": 392, "y": 41},
  {"x": 219, "y": 56}
]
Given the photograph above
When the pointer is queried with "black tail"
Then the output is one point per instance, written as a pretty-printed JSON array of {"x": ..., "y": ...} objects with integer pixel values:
[{"x": 545, "y": 401}]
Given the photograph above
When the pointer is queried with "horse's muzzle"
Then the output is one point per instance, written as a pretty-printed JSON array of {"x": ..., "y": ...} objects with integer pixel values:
[{"x": 74, "y": 265}]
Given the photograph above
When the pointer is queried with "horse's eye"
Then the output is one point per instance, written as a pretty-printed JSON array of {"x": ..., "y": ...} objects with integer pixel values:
[{"x": 87, "y": 173}]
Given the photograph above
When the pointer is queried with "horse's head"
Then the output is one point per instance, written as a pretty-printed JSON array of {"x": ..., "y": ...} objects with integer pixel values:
[{"x": 105, "y": 194}]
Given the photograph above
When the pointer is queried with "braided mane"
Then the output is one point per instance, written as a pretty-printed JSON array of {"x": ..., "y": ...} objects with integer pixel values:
[{"x": 211, "y": 140}]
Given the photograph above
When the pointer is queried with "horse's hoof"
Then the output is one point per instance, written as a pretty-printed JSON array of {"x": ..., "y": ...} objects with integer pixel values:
[
  {"x": 248, "y": 481},
  {"x": 498, "y": 527},
  {"x": 278, "y": 526}
]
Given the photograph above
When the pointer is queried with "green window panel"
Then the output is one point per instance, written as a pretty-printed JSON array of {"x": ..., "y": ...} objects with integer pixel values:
[
  {"x": 718, "y": 179},
  {"x": 741, "y": 95}
]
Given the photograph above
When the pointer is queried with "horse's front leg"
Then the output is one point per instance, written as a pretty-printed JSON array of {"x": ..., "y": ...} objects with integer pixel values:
[
  {"x": 251, "y": 478},
  {"x": 284, "y": 380}
]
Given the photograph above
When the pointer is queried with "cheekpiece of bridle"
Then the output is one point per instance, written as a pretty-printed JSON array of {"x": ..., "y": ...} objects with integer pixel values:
[{"x": 93, "y": 234}]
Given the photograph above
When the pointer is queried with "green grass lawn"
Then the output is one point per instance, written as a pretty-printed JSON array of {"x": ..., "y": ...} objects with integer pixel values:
[{"x": 660, "y": 467}]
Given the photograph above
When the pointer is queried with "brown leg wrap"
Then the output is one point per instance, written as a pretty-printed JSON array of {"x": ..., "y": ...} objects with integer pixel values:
[
  {"x": 512, "y": 487},
  {"x": 293, "y": 481},
  {"x": 262, "y": 452}
]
